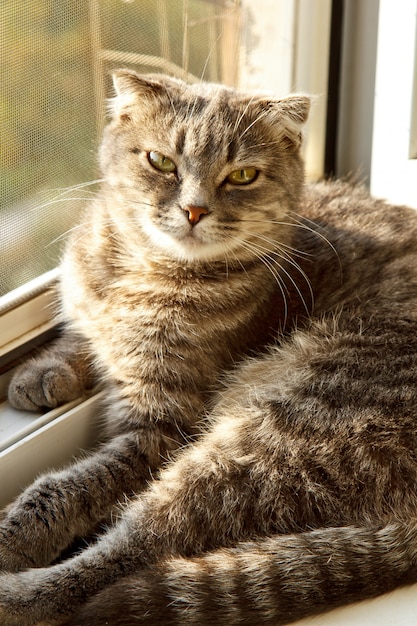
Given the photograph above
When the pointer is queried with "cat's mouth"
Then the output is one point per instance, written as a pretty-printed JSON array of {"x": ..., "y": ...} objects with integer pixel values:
[
  {"x": 194, "y": 240},
  {"x": 193, "y": 237},
  {"x": 186, "y": 242}
]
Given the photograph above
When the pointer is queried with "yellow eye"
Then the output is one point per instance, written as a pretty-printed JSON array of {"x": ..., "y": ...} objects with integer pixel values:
[
  {"x": 244, "y": 176},
  {"x": 161, "y": 162}
]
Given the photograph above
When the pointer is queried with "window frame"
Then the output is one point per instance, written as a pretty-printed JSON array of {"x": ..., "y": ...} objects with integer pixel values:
[
  {"x": 394, "y": 157},
  {"x": 32, "y": 442}
]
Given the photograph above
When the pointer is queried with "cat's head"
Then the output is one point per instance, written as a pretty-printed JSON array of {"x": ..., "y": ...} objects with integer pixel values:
[{"x": 201, "y": 172}]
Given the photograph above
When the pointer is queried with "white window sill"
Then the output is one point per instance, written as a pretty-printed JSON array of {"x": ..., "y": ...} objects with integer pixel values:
[
  {"x": 30, "y": 443},
  {"x": 398, "y": 608}
]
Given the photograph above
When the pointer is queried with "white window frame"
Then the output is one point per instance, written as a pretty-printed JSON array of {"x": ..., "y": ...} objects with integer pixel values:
[
  {"x": 32, "y": 442},
  {"x": 297, "y": 33},
  {"x": 394, "y": 162}
]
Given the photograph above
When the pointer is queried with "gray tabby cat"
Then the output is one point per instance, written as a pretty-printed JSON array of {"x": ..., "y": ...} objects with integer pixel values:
[{"x": 258, "y": 343}]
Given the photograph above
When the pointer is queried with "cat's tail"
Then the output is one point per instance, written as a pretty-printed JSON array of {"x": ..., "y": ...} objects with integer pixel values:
[{"x": 271, "y": 581}]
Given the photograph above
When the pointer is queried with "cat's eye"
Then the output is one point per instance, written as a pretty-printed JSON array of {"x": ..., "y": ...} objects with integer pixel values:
[
  {"x": 243, "y": 176},
  {"x": 161, "y": 162}
]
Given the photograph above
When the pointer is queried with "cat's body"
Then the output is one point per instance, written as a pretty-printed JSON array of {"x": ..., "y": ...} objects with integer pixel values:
[{"x": 295, "y": 490}]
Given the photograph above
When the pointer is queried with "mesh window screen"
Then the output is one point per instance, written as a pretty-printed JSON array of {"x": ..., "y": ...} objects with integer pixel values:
[{"x": 56, "y": 58}]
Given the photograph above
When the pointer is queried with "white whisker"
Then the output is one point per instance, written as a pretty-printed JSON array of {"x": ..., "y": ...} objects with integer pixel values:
[
  {"x": 272, "y": 265},
  {"x": 299, "y": 222},
  {"x": 64, "y": 235},
  {"x": 64, "y": 191},
  {"x": 282, "y": 245},
  {"x": 264, "y": 144},
  {"x": 78, "y": 185},
  {"x": 267, "y": 253},
  {"x": 282, "y": 254},
  {"x": 255, "y": 121},
  {"x": 242, "y": 115},
  {"x": 167, "y": 92},
  {"x": 210, "y": 53}
]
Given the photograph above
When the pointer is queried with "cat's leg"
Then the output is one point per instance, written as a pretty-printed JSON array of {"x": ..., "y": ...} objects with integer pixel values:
[
  {"x": 64, "y": 505},
  {"x": 59, "y": 373},
  {"x": 273, "y": 581},
  {"x": 206, "y": 499},
  {"x": 201, "y": 502},
  {"x": 61, "y": 506}
]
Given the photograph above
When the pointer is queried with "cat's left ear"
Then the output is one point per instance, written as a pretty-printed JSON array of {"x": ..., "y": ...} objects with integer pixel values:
[{"x": 290, "y": 115}]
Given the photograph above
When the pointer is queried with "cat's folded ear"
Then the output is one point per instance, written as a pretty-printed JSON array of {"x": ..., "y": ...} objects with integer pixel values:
[
  {"x": 128, "y": 82},
  {"x": 296, "y": 107},
  {"x": 131, "y": 88},
  {"x": 289, "y": 116}
]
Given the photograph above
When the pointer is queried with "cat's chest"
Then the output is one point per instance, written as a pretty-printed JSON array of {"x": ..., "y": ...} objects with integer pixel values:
[{"x": 177, "y": 320}]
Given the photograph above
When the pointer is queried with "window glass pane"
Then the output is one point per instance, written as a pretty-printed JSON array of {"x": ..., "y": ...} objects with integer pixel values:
[
  {"x": 47, "y": 131},
  {"x": 186, "y": 37}
]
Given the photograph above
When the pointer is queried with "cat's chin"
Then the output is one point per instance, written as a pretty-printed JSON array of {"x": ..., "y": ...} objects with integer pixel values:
[{"x": 189, "y": 248}]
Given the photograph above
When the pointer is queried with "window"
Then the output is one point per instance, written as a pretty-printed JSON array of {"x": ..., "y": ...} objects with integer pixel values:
[
  {"x": 47, "y": 131},
  {"x": 378, "y": 113},
  {"x": 55, "y": 66},
  {"x": 394, "y": 149}
]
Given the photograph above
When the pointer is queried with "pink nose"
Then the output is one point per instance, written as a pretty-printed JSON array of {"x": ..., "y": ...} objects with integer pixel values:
[{"x": 195, "y": 213}]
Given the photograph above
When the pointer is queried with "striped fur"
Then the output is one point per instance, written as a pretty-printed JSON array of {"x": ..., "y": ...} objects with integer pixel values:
[{"x": 261, "y": 373}]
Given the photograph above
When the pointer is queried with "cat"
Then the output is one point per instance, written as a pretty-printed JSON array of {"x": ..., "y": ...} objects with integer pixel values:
[{"x": 256, "y": 339}]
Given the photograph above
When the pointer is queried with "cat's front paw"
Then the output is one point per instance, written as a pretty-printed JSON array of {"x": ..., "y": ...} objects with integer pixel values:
[{"x": 44, "y": 384}]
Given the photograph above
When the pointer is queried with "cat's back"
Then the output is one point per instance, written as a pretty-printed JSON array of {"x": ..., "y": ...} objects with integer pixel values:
[{"x": 362, "y": 248}]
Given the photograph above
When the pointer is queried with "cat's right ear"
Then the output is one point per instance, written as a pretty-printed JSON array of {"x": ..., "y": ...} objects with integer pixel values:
[{"x": 131, "y": 89}]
